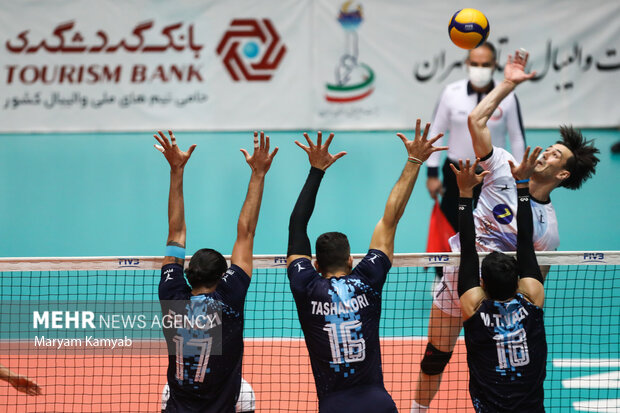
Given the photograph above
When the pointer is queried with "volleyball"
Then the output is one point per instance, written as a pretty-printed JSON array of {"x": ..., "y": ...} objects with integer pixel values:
[{"x": 468, "y": 28}]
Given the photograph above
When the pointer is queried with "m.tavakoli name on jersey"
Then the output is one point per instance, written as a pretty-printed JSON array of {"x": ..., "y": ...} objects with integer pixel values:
[
  {"x": 343, "y": 307},
  {"x": 88, "y": 341}
]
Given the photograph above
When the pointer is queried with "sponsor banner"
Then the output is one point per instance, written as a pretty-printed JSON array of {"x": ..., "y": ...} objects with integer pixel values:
[{"x": 289, "y": 64}]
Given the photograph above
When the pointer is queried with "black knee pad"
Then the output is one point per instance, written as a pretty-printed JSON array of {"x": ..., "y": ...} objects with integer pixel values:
[{"x": 434, "y": 361}]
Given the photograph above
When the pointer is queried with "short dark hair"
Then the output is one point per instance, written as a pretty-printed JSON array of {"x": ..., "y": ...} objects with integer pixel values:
[
  {"x": 582, "y": 165},
  {"x": 499, "y": 272},
  {"x": 489, "y": 46},
  {"x": 205, "y": 268},
  {"x": 332, "y": 251}
]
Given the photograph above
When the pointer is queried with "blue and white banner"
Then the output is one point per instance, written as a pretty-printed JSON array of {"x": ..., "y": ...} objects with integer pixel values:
[{"x": 111, "y": 65}]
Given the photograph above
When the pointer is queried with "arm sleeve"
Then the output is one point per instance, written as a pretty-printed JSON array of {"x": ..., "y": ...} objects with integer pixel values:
[
  {"x": 516, "y": 133},
  {"x": 469, "y": 273},
  {"x": 526, "y": 256},
  {"x": 439, "y": 124},
  {"x": 298, "y": 241}
]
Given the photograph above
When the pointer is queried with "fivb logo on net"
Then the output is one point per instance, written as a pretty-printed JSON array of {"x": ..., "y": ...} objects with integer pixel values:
[
  {"x": 354, "y": 79},
  {"x": 251, "y": 49}
]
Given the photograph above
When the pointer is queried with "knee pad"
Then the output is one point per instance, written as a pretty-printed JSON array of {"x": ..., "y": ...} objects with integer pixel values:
[{"x": 434, "y": 361}]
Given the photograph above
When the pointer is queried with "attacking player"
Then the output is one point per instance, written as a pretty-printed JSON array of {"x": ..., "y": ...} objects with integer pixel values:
[
  {"x": 567, "y": 163},
  {"x": 502, "y": 315},
  {"x": 339, "y": 306},
  {"x": 204, "y": 363}
]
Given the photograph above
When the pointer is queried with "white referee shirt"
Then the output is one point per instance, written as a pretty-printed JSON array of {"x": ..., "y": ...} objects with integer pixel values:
[
  {"x": 495, "y": 215},
  {"x": 457, "y": 101}
]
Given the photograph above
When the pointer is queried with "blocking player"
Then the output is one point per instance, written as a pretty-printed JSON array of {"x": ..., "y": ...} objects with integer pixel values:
[
  {"x": 567, "y": 163},
  {"x": 339, "y": 306},
  {"x": 204, "y": 362},
  {"x": 502, "y": 315},
  {"x": 20, "y": 383}
]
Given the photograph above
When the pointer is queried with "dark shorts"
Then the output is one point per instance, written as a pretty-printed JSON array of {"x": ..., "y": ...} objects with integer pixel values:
[{"x": 366, "y": 399}]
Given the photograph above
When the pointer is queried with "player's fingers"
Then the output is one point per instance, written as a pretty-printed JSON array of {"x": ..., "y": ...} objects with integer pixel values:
[
  {"x": 417, "y": 128},
  {"x": 172, "y": 138},
  {"x": 531, "y": 75},
  {"x": 329, "y": 140},
  {"x": 255, "y": 140},
  {"x": 476, "y": 162},
  {"x": 246, "y": 154},
  {"x": 310, "y": 144},
  {"x": 460, "y": 164},
  {"x": 512, "y": 165},
  {"x": 456, "y": 171},
  {"x": 426, "y": 128},
  {"x": 402, "y": 138},
  {"x": 304, "y": 147},
  {"x": 262, "y": 139},
  {"x": 526, "y": 154},
  {"x": 436, "y": 138},
  {"x": 273, "y": 153},
  {"x": 440, "y": 148},
  {"x": 190, "y": 150},
  {"x": 164, "y": 139},
  {"x": 267, "y": 144},
  {"x": 159, "y": 148},
  {"x": 536, "y": 153},
  {"x": 319, "y": 138},
  {"x": 483, "y": 174},
  {"x": 158, "y": 139},
  {"x": 339, "y": 155}
]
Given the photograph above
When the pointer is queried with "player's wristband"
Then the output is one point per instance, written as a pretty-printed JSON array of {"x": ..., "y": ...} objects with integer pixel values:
[
  {"x": 174, "y": 251},
  {"x": 415, "y": 160},
  {"x": 522, "y": 181}
]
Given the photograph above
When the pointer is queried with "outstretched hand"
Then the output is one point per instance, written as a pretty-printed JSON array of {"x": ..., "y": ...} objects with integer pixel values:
[
  {"x": 318, "y": 154},
  {"x": 260, "y": 161},
  {"x": 514, "y": 71},
  {"x": 174, "y": 155},
  {"x": 526, "y": 168},
  {"x": 467, "y": 178},
  {"x": 419, "y": 149},
  {"x": 25, "y": 385}
]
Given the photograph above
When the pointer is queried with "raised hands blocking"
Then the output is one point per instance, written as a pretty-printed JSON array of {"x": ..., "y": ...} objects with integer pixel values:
[
  {"x": 174, "y": 155},
  {"x": 467, "y": 178},
  {"x": 419, "y": 149},
  {"x": 514, "y": 71},
  {"x": 526, "y": 168},
  {"x": 318, "y": 154},
  {"x": 260, "y": 161}
]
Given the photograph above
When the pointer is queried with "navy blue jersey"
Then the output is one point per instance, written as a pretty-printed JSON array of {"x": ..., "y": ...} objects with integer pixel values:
[
  {"x": 206, "y": 347},
  {"x": 506, "y": 355},
  {"x": 340, "y": 319}
]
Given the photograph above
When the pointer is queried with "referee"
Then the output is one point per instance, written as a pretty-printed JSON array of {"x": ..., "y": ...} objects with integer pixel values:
[
  {"x": 503, "y": 316},
  {"x": 339, "y": 306}
]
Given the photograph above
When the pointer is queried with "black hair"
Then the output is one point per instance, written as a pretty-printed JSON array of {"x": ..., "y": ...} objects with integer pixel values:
[
  {"x": 582, "y": 165},
  {"x": 491, "y": 48},
  {"x": 206, "y": 268},
  {"x": 499, "y": 273},
  {"x": 332, "y": 251}
]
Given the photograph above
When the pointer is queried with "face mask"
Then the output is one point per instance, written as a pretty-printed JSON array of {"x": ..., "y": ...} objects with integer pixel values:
[{"x": 480, "y": 76}]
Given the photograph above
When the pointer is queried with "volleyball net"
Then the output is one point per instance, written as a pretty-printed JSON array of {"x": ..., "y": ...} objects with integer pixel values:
[{"x": 116, "y": 364}]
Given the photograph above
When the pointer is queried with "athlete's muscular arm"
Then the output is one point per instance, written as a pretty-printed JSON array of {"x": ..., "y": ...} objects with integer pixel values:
[
  {"x": 320, "y": 159},
  {"x": 176, "y": 211},
  {"x": 531, "y": 279},
  {"x": 514, "y": 73},
  {"x": 470, "y": 292},
  {"x": 260, "y": 162},
  {"x": 21, "y": 383},
  {"x": 418, "y": 150}
]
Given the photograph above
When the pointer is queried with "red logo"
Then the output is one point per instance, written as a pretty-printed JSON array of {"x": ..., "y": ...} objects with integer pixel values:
[{"x": 251, "y": 49}]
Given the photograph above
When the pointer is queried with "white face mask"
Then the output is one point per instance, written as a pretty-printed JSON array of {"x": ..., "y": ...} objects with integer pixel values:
[{"x": 480, "y": 77}]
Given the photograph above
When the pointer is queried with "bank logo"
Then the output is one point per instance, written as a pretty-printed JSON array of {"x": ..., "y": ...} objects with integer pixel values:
[
  {"x": 354, "y": 79},
  {"x": 251, "y": 49},
  {"x": 503, "y": 214}
]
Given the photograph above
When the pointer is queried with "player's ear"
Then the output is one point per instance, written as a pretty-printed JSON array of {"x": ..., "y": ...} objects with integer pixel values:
[
  {"x": 350, "y": 262},
  {"x": 316, "y": 265},
  {"x": 562, "y": 175}
]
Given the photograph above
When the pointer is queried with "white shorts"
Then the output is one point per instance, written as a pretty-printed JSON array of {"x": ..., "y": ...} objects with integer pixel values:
[{"x": 446, "y": 296}]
